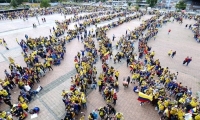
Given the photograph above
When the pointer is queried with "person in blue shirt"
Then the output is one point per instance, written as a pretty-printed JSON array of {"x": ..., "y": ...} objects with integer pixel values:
[{"x": 135, "y": 89}]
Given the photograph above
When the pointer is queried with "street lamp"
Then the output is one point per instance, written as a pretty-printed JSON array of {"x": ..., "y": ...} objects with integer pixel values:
[
  {"x": 161, "y": 4},
  {"x": 169, "y": 4},
  {"x": 37, "y": 18}
]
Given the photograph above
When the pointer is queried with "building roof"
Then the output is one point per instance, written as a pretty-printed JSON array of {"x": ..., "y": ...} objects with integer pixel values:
[{"x": 4, "y": 4}]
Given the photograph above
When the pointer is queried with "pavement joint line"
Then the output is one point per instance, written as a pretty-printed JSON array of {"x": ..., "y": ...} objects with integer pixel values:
[
  {"x": 48, "y": 109},
  {"x": 41, "y": 25},
  {"x": 5, "y": 51},
  {"x": 4, "y": 57},
  {"x": 56, "y": 83}
]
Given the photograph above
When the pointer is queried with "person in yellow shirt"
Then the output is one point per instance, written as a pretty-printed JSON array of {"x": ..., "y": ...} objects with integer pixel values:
[
  {"x": 134, "y": 77},
  {"x": 83, "y": 102},
  {"x": 49, "y": 65},
  {"x": 169, "y": 53},
  {"x": 4, "y": 93},
  {"x": 152, "y": 54},
  {"x": 24, "y": 106},
  {"x": 180, "y": 114},
  {"x": 2, "y": 114},
  {"x": 119, "y": 116},
  {"x": 161, "y": 108},
  {"x": 82, "y": 117},
  {"x": 63, "y": 93},
  {"x": 194, "y": 102},
  {"x": 174, "y": 110},
  {"x": 116, "y": 75},
  {"x": 90, "y": 117},
  {"x": 197, "y": 117}
]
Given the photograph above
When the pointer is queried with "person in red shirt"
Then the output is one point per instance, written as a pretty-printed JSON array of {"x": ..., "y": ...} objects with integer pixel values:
[
  {"x": 185, "y": 61},
  {"x": 169, "y": 31}
]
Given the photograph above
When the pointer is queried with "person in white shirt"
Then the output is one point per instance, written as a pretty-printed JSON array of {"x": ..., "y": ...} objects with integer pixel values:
[{"x": 27, "y": 87}]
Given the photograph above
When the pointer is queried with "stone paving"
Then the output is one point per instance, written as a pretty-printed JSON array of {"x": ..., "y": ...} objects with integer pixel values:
[{"x": 50, "y": 100}]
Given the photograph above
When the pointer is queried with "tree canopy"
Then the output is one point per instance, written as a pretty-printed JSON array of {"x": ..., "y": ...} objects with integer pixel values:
[
  {"x": 13, "y": 3},
  {"x": 129, "y": 4},
  {"x": 152, "y": 3},
  {"x": 181, "y": 5},
  {"x": 45, "y": 3}
]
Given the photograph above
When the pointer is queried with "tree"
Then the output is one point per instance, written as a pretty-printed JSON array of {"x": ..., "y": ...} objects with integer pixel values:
[
  {"x": 129, "y": 4},
  {"x": 152, "y": 3},
  {"x": 137, "y": 7},
  {"x": 19, "y": 2},
  {"x": 45, "y": 3},
  {"x": 181, "y": 5},
  {"x": 13, "y": 3}
]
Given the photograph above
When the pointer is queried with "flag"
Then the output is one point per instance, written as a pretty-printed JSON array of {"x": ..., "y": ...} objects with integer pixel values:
[
  {"x": 11, "y": 60},
  {"x": 106, "y": 53},
  {"x": 144, "y": 98}
]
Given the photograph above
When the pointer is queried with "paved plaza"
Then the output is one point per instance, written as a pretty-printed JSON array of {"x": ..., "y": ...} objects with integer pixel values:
[{"x": 50, "y": 100}]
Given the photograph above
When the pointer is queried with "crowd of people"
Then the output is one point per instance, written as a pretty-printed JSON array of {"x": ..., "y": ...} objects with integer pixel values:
[
  {"x": 156, "y": 84},
  {"x": 63, "y": 10},
  {"x": 159, "y": 92},
  {"x": 194, "y": 28},
  {"x": 51, "y": 49},
  {"x": 144, "y": 68},
  {"x": 107, "y": 112},
  {"x": 86, "y": 71}
]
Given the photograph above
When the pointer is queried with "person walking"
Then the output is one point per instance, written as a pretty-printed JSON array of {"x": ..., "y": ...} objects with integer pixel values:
[
  {"x": 78, "y": 37},
  {"x": 5, "y": 44},
  {"x": 188, "y": 61},
  {"x": 170, "y": 53},
  {"x": 26, "y": 36},
  {"x": 186, "y": 25},
  {"x": 173, "y": 54},
  {"x": 169, "y": 31},
  {"x": 185, "y": 61},
  {"x": 114, "y": 98},
  {"x": 117, "y": 75},
  {"x": 49, "y": 66},
  {"x": 113, "y": 37},
  {"x": 127, "y": 61},
  {"x": 7, "y": 101},
  {"x": 154, "y": 37},
  {"x": 128, "y": 79}
]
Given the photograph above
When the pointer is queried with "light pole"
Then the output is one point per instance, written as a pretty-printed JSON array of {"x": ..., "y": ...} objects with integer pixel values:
[
  {"x": 37, "y": 19},
  {"x": 169, "y": 4},
  {"x": 161, "y": 4}
]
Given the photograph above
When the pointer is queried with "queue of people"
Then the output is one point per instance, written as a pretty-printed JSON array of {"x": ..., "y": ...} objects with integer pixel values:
[
  {"x": 86, "y": 71},
  {"x": 159, "y": 92}
]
